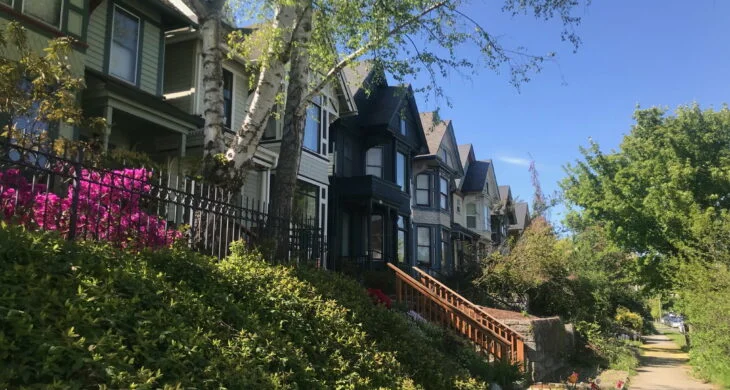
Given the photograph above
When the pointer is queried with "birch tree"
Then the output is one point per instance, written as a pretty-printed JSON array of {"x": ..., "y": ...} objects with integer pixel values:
[
  {"x": 405, "y": 38},
  {"x": 296, "y": 38}
]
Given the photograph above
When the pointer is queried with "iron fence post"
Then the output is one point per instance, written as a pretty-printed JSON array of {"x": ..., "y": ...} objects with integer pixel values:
[{"x": 74, "y": 212}]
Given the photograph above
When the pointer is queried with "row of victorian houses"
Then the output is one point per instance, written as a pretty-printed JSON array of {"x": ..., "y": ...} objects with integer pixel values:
[{"x": 387, "y": 182}]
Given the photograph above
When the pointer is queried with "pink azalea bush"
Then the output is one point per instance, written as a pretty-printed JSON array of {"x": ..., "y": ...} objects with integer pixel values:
[{"x": 109, "y": 207}]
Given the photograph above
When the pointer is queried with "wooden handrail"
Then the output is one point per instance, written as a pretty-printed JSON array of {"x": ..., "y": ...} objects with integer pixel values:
[
  {"x": 498, "y": 343},
  {"x": 468, "y": 303}
]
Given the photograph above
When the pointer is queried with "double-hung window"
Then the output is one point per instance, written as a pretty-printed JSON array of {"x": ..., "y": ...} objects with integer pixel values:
[
  {"x": 400, "y": 171},
  {"x": 124, "y": 45},
  {"x": 374, "y": 162},
  {"x": 444, "y": 195},
  {"x": 47, "y": 11},
  {"x": 424, "y": 245},
  {"x": 423, "y": 190},
  {"x": 312, "y": 125},
  {"x": 227, "y": 98},
  {"x": 471, "y": 215},
  {"x": 444, "y": 248},
  {"x": 402, "y": 241}
]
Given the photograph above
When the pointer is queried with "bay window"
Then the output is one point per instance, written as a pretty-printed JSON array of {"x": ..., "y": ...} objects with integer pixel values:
[
  {"x": 423, "y": 190},
  {"x": 444, "y": 248},
  {"x": 424, "y": 245},
  {"x": 471, "y": 216},
  {"x": 124, "y": 45},
  {"x": 400, "y": 171},
  {"x": 47, "y": 11},
  {"x": 312, "y": 126},
  {"x": 444, "y": 195},
  {"x": 374, "y": 162},
  {"x": 401, "y": 240}
]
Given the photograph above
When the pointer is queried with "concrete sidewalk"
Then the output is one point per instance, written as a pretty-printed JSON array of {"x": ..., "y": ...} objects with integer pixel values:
[{"x": 664, "y": 367}]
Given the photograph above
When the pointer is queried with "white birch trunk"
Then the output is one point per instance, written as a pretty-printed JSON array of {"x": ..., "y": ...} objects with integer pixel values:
[
  {"x": 273, "y": 72},
  {"x": 213, "y": 104}
]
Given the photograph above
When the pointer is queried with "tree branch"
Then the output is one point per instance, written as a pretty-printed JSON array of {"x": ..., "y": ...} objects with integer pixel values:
[{"x": 368, "y": 46}]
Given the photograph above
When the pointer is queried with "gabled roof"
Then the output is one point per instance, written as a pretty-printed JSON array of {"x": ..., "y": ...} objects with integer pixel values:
[
  {"x": 465, "y": 151},
  {"x": 505, "y": 193},
  {"x": 522, "y": 213},
  {"x": 434, "y": 130},
  {"x": 476, "y": 176}
]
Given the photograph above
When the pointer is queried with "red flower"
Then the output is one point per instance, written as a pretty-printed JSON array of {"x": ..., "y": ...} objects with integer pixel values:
[{"x": 379, "y": 297}]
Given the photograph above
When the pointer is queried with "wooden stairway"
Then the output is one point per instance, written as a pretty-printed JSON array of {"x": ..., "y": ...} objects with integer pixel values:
[{"x": 437, "y": 303}]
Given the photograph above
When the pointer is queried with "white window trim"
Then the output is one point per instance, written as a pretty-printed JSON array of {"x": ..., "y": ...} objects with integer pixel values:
[
  {"x": 136, "y": 49},
  {"x": 60, "y": 16}
]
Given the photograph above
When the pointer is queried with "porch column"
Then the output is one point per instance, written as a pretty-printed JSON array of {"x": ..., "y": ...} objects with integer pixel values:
[
  {"x": 108, "y": 116},
  {"x": 368, "y": 229},
  {"x": 183, "y": 144},
  {"x": 264, "y": 188}
]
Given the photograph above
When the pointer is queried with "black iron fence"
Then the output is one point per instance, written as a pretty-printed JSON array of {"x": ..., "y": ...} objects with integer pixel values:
[{"x": 134, "y": 208}]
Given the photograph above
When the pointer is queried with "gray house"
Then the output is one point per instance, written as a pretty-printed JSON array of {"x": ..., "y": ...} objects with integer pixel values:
[{"x": 480, "y": 192}]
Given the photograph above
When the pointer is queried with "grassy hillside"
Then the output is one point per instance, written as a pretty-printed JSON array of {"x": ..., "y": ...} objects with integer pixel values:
[{"x": 87, "y": 315}]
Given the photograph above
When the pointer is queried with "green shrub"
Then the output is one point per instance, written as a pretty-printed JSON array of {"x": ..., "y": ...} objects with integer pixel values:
[
  {"x": 87, "y": 315},
  {"x": 609, "y": 351},
  {"x": 629, "y": 319},
  {"x": 706, "y": 301}
]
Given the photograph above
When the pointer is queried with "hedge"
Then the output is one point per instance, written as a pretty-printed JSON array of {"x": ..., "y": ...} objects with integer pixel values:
[{"x": 82, "y": 315}]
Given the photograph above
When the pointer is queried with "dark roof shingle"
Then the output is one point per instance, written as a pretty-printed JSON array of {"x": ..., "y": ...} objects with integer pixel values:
[{"x": 476, "y": 176}]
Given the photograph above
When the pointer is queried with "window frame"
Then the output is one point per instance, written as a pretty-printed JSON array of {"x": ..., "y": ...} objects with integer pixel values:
[
  {"x": 60, "y": 16},
  {"x": 445, "y": 247},
  {"x": 403, "y": 127},
  {"x": 367, "y": 162},
  {"x": 443, "y": 196},
  {"x": 421, "y": 190},
  {"x": 404, "y": 176},
  {"x": 137, "y": 50},
  {"x": 421, "y": 245},
  {"x": 472, "y": 215},
  {"x": 401, "y": 227},
  {"x": 316, "y": 102},
  {"x": 228, "y": 112}
]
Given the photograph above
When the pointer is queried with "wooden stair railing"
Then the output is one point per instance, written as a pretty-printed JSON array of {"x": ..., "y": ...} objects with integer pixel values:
[{"x": 438, "y": 304}]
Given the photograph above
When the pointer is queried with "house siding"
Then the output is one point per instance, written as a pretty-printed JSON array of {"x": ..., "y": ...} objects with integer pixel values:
[
  {"x": 150, "y": 58},
  {"x": 179, "y": 73},
  {"x": 96, "y": 37}
]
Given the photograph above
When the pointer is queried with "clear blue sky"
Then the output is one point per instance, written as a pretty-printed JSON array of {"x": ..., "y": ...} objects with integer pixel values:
[{"x": 651, "y": 53}]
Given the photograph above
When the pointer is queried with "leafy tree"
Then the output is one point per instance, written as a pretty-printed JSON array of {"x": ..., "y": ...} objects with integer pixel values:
[
  {"x": 669, "y": 179},
  {"x": 296, "y": 38},
  {"x": 38, "y": 89},
  {"x": 663, "y": 196}
]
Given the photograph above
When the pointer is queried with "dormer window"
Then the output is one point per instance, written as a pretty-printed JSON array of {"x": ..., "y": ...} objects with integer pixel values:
[
  {"x": 124, "y": 46},
  {"x": 374, "y": 162}
]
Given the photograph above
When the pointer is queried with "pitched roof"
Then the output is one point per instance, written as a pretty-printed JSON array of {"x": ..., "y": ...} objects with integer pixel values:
[
  {"x": 355, "y": 75},
  {"x": 504, "y": 192},
  {"x": 384, "y": 103},
  {"x": 522, "y": 214},
  {"x": 476, "y": 176},
  {"x": 464, "y": 151},
  {"x": 434, "y": 130}
]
